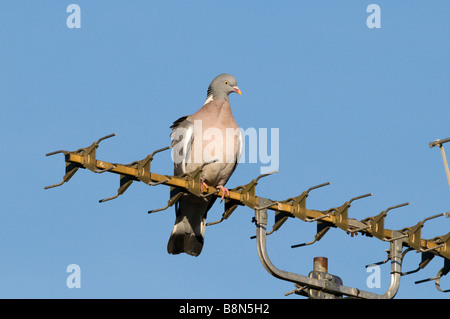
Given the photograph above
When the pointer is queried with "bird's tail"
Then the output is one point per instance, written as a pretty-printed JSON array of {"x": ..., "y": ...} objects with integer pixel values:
[{"x": 188, "y": 233}]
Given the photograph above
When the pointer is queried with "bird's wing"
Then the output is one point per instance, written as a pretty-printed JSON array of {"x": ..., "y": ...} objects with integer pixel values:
[
  {"x": 238, "y": 151},
  {"x": 189, "y": 229},
  {"x": 182, "y": 138}
]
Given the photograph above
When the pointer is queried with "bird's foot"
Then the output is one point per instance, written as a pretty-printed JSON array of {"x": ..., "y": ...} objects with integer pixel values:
[
  {"x": 224, "y": 190},
  {"x": 203, "y": 184}
]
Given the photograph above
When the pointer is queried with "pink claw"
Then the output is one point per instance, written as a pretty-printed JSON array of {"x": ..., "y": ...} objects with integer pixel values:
[
  {"x": 224, "y": 190},
  {"x": 201, "y": 186}
]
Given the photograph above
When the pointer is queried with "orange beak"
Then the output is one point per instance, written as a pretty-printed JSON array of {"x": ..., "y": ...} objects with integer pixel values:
[{"x": 236, "y": 89}]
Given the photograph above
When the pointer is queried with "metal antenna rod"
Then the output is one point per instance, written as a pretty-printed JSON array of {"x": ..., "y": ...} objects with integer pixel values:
[
  {"x": 245, "y": 195},
  {"x": 445, "y": 164},
  {"x": 444, "y": 158}
]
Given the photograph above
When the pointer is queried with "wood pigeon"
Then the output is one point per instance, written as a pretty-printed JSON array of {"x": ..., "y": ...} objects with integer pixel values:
[{"x": 209, "y": 134}]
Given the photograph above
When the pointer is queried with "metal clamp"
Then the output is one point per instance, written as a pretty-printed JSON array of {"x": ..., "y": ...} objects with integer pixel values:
[
  {"x": 248, "y": 191},
  {"x": 376, "y": 223},
  {"x": 89, "y": 160},
  {"x": 194, "y": 180},
  {"x": 247, "y": 197},
  {"x": 143, "y": 174},
  {"x": 341, "y": 212},
  {"x": 413, "y": 234},
  {"x": 299, "y": 204}
]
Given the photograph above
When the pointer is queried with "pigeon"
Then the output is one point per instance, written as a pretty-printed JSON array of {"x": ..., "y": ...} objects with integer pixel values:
[{"x": 211, "y": 136}]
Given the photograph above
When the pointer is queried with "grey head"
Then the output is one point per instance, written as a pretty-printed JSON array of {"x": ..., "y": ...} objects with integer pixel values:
[{"x": 222, "y": 85}]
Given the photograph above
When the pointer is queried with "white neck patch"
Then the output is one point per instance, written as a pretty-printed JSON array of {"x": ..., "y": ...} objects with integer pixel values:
[{"x": 209, "y": 98}]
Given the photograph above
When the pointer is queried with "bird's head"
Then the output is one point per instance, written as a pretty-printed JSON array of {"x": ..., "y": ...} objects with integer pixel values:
[{"x": 222, "y": 86}]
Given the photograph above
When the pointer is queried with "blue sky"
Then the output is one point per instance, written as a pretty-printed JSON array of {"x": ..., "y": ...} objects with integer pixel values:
[{"x": 354, "y": 106}]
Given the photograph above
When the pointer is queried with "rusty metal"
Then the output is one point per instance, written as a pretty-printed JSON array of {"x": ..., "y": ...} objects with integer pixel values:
[
  {"x": 320, "y": 271},
  {"x": 320, "y": 264}
]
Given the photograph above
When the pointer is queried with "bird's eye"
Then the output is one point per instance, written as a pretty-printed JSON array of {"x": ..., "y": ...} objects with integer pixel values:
[{"x": 226, "y": 82}]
